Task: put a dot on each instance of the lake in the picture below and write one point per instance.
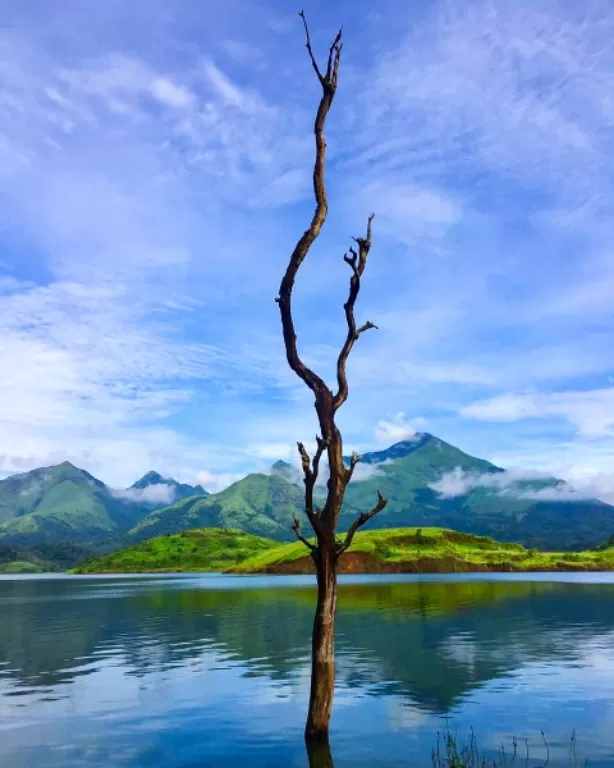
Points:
(207, 670)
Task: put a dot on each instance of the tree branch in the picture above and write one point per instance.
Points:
(322, 444)
(361, 520)
(314, 63)
(310, 475)
(328, 81)
(357, 262)
(355, 458)
(296, 527)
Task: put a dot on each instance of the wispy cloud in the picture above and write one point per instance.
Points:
(398, 428)
(158, 493)
(458, 482)
(591, 412)
(214, 482)
(526, 484)
(600, 486)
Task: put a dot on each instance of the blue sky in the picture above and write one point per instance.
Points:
(155, 165)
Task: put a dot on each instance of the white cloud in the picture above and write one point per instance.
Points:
(215, 482)
(115, 81)
(408, 211)
(458, 482)
(366, 471)
(398, 429)
(273, 450)
(158, 493)
(599, 486)
(454, 483)
(170, 94)
(513, 88)
(230, 92)
(592, 412)
(448, 373)
(514, 482)
(361, 472)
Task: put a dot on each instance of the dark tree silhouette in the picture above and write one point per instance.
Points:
(327, 548)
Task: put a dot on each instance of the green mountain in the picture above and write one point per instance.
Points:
(62, 503)
(262, 505)
(205, 549)
(487, 500)
(63, 507)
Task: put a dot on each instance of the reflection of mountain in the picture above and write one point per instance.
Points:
(431, 642)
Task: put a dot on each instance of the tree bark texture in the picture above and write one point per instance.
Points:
(323, 647)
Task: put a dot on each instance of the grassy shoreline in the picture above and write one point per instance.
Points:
(399, 550)
(430, 550)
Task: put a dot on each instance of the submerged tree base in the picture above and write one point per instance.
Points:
(319, 754)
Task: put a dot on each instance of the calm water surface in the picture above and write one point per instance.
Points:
(208, 670)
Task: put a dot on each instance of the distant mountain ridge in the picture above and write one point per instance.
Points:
(427, 482)
(407, 474)
(63, 504)
(259, 504)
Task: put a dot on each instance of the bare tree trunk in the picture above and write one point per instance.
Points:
(323, 647)
(326, 551)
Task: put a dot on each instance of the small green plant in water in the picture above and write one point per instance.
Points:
(449, 752)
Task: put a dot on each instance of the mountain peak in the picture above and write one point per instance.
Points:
(153, 478)
(399, 450)
(287, 471)
(281, 464)
(67, 470)
(67, 466)
(181, 490)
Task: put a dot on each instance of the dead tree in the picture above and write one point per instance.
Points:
(323, 519)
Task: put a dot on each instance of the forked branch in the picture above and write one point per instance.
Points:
(360, 521)
(328, 81)
(355, 458)
(310, 476)
(311, 469)
(357, 262)
(334, 54)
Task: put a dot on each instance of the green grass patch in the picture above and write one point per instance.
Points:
(207, 549)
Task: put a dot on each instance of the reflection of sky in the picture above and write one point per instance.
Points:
(208, 708)
(556, 697)
(111, 714)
